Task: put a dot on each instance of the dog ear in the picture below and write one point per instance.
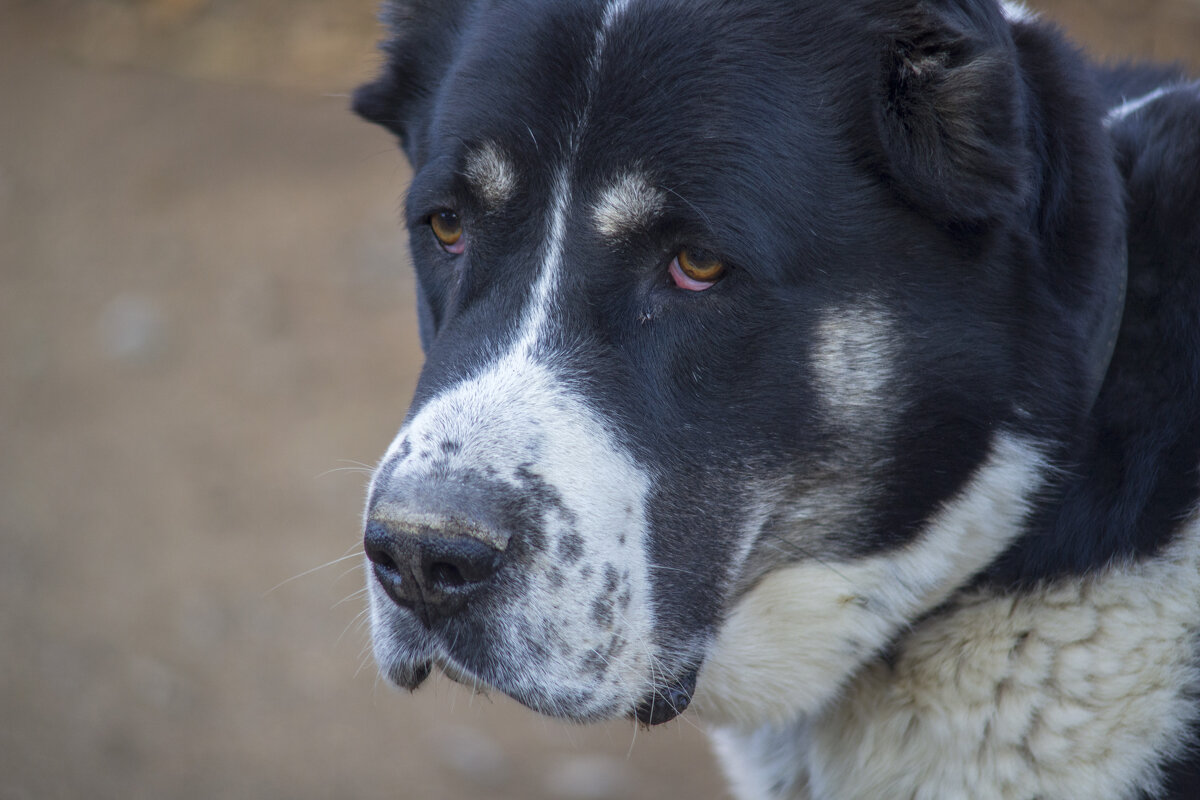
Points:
(949, 112)
(422, 38)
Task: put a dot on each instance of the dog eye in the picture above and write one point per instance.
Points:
(447, 227)
(696, 271)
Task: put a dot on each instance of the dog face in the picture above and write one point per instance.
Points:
(732, 368)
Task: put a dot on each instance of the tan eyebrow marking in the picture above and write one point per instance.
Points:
(631, 201)
(492, 175)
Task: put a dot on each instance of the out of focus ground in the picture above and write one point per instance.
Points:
(205, 327)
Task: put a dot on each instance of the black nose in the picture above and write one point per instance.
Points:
(430, 567)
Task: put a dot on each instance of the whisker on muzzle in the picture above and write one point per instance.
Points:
(357, 554)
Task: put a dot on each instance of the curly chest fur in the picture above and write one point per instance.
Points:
(1075, 690)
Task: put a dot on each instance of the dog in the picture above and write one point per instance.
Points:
(829, 368)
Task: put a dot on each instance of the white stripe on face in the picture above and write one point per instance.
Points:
(537, 318)
(612, 12)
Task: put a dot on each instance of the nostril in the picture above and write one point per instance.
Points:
(445, 575)
(381, 559)
(385, 552)
(457, 563)
(379, 553)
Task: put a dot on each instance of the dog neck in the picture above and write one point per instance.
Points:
(1075, 689)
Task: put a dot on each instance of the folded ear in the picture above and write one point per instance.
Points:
(949, 120)
(423, 36)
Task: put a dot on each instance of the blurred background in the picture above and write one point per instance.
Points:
(206, 333)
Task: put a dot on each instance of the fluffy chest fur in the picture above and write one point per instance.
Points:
(1074, 690)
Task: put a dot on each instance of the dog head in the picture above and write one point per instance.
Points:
(741, 320)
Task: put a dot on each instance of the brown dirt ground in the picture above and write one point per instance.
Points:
(205, 327)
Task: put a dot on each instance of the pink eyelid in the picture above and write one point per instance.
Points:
(683, 281)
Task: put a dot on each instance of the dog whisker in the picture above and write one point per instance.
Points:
(308, 572)
(357, 620)
(352, 596)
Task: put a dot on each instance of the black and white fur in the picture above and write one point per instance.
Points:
(905, 503)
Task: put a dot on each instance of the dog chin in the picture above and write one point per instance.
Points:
(662, 703)
(411, 674)
(408, 674)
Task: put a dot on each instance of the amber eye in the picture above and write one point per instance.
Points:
(447, 227)
(696, 271)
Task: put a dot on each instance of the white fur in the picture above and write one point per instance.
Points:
(612, 12)
(853, 356)
(1133, 106)
(517, 413)
(762, 764)
(629, 203)
(538, 312)
(1130, 106)
(1016, 12)
(492, 175)
(1074, 690)
(792, 641)
(854, 349)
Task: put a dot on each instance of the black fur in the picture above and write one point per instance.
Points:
(1132, 474)
(927, 157)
